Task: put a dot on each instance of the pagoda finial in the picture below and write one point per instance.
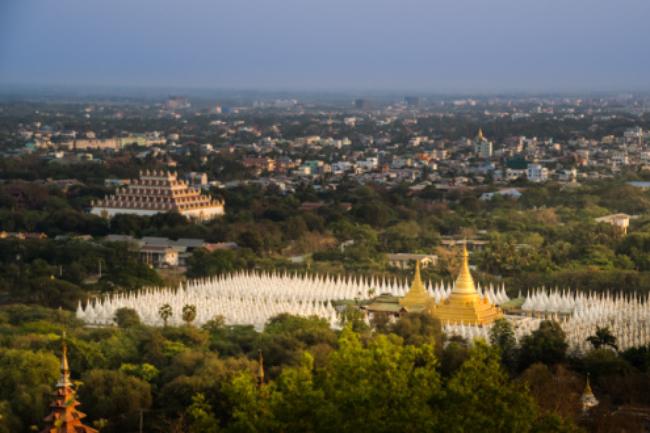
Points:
(465, 282)
(588, 399)
(64, 379)
(417, 296)
(479, 135)
(260, 368)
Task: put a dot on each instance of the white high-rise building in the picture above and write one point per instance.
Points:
(537, 173)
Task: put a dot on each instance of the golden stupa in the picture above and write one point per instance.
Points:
(417, 298)
(465, 305)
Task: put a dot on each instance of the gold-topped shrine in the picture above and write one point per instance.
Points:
(465, 304)
(417, 298)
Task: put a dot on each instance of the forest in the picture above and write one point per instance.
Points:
(402, 376)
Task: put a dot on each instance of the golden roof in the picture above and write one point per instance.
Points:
(465, 305)
(417, 297)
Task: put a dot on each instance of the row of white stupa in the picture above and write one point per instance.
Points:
(247, 298)
(251, 298)
(563, 301)
(627, 317)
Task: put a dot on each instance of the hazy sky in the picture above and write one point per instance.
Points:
(428, 45)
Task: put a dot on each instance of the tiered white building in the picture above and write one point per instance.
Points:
(157, 192)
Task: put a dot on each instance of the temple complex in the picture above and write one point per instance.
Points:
(465, 305)
(157, 192)
(64, 416)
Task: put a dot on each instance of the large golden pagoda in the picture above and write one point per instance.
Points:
(417, 298)
(465, 304)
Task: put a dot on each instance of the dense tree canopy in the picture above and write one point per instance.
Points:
(404, 376)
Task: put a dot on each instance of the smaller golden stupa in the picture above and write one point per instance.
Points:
(465, 305)
(417, 298)
(588, 400)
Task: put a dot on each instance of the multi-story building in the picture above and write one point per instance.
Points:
(536, 173)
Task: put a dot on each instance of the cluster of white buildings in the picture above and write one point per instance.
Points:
(246, 298)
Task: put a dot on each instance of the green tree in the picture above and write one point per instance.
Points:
(554, 424)
(165, 313)
(8, 422)
(204, 264)
(605, 362)
(145, 371)
(547, 344)
(189, 314)
(418, 328)
(115, 396)
(482, 398)
(502, 336)
(199, 416)
(126, 317)
(355, 318)
(26, 381)
(382, 387)
(603, 338)
(453, 355)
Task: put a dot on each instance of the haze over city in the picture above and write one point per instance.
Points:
(441, 46)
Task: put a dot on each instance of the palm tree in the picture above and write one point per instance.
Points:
(189, 314)
(165, 312)
(603, 337)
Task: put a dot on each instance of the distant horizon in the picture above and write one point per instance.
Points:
(135, 90)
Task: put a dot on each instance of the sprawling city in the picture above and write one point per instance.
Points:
(283, 256)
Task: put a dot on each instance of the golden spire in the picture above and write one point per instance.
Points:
(465, 283)
(417, 295)
(480, 136)
(588, 399)
(417, 285)
(64, 379)
(588, 386)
